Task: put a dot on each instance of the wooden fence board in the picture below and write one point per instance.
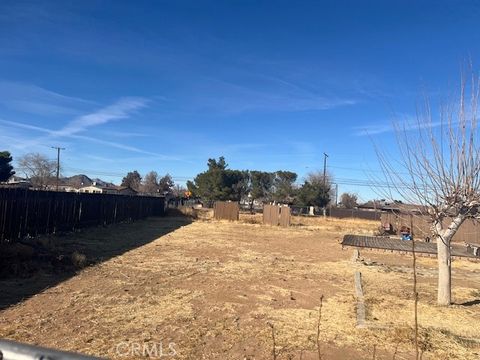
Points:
(226, 210)
(276, 215)
(27, 212)
(285, 216)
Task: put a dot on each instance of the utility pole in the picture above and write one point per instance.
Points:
(325, 156)
(336, 194)
(58, 163)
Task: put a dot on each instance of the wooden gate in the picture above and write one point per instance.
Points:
(226, 210)
(276, 215)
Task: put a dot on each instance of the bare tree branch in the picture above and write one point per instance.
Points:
(438, 168)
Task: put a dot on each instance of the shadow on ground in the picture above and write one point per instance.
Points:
(470, 303)
(49, 260)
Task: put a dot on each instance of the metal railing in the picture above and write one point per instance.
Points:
(11, 350)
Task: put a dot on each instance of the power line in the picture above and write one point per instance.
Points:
(341, 181)
(354, 169)
(363, 170)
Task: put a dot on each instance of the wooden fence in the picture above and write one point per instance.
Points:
(226, 210)
(340, 213)
(354, 214)
(29, 213)
(276, 215)
(469, 231)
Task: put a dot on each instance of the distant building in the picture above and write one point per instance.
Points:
(94, 189)
(125, 190)
(17, 182)
(112, 189)
(66, 188)
(373, 205)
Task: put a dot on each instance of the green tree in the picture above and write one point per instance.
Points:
(166, 184)
(6, 168)
(219, 164)
(192, 188)
(219, 183)
(283, 184)
(315, 191)
(133, 180)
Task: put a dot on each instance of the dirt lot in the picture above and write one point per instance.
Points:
(213, 290)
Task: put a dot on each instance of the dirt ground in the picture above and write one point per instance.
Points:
(223, 290)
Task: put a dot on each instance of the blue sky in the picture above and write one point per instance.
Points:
(164, 85)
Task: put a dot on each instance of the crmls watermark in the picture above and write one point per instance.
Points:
(146, 349)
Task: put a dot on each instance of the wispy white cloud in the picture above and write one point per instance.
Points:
(407, 125)
(53, 134)
(121, 109)
(262, 94)
(124, 147)
(126, 134)
(372, 129)
(26, 126)
(32, 99)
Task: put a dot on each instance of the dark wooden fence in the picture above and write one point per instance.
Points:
(28, 212)
(276, 215)
(226, 210)
(354, 213)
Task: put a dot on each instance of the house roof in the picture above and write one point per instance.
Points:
(405, 208)
(16, 179)
(395, 206)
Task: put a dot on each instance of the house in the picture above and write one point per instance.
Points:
(373, 205)
(125, 190)
(66, 188)
(110, 189)
(92, 189)
(17, 182)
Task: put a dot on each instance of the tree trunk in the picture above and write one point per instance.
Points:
(444, 237)
(444, 272)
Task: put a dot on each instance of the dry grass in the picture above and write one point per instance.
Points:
(211, 287)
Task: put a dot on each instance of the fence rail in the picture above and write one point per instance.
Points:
(28, 212)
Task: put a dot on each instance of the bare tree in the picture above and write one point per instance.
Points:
(150, 183)
(38, 168)
(438, 167)
(133, 180)
(349, 200)
(179, 190)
